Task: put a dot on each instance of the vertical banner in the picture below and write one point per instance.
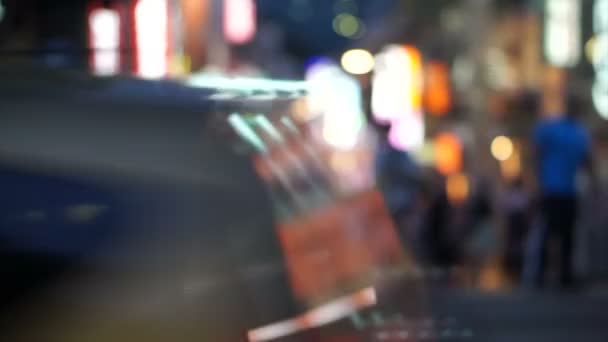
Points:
(562, 32)
(151, 41)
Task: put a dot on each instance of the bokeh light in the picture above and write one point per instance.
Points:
(457, 188)
(152, 38)
(357, 61)
(590, 51)
(346, 25)
(511, 168)
(104, 40)
(397, 95)
(448, 153)
(239, 21)
(343, 117)
(437, 94)
(502, 148)
(336, 97)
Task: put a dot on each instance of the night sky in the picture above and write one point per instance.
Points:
(308, 23)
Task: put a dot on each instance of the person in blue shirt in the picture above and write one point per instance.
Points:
(563, 147)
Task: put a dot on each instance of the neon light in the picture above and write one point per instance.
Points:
(397, 95)
(407, 133)
(151, 38)
(563, 32)
(239, 21)
(104, 40)
(416, 86)
(337, 97)
(448, 153)
(390, 84)
(437, 94)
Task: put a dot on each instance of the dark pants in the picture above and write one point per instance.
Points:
(518, 227)
(559, 214)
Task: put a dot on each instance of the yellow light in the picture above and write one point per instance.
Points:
(590, 50)
(358, 61)
(502, 148)
(346, 25)
(457, 187)
(511, 168)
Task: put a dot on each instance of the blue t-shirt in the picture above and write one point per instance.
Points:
(562, 147)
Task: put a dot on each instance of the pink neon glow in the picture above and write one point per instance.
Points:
(239, 21)
(396, 98)
(151, 38)
(104, 40)
(407, 133)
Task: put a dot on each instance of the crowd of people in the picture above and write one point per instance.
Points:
(513, 222)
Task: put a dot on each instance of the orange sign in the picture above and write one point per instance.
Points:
(335, 246)
(437, 95)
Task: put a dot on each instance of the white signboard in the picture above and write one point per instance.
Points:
(104, 26)
(563, 32)
(599, 55)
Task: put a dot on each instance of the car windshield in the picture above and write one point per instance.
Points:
(303, 170)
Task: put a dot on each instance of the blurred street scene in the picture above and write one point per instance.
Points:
(303, 170)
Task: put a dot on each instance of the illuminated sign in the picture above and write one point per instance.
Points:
(599, 53)
(337, 97)
(151, 38)
(563, 32)
(104, 27)
(437, 92)
(239, 21)
(397, 95)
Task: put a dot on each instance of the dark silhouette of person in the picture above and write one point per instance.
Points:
(563, 147)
